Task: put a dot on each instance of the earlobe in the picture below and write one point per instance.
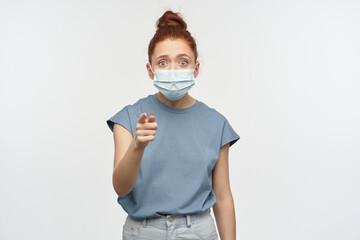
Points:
(150, 73)
(196, 73)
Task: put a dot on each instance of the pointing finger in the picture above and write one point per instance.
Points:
(142, 118)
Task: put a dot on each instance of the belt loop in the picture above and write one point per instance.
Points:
(143, 222)
(188, 224)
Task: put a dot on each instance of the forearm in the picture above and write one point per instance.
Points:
(224, 212)
(126, 171)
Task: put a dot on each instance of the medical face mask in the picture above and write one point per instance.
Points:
(174, 84)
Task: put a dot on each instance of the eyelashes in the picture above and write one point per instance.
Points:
(163, 63)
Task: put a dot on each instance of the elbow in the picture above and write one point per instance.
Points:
(223, 195)
(122, 193)
(120, 190)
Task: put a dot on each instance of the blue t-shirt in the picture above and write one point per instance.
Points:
(175, 174)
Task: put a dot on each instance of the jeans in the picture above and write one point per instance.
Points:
(199, 226)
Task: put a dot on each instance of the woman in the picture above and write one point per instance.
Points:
(172, 167)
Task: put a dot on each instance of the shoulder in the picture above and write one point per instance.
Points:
(137, 106)
(128, 114)
(212, 113)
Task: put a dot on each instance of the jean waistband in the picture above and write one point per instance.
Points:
(177, 218)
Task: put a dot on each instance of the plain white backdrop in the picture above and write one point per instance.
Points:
(285, 74)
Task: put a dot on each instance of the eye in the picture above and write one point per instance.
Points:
(183, 62)
(162, 63)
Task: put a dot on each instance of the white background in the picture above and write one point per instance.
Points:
(284, 73)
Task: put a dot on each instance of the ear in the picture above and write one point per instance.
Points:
(196, 73)
(150, 73)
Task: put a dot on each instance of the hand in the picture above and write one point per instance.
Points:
(145, 130)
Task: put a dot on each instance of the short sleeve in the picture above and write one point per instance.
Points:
(228, 134)
(122, 118)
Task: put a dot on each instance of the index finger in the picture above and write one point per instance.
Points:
(142, 118)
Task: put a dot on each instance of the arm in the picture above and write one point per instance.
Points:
(224, 209)
(127, 160)
(129, 151)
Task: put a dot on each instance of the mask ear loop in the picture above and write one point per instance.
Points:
(151, 68)
(194, 70)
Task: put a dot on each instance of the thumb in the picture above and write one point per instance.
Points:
(151, 118)
(142, 118)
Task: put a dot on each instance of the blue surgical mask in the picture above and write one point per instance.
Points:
(174, 84)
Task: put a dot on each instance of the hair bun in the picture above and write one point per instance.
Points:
(171, 19)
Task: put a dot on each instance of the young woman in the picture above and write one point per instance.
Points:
(172, 167)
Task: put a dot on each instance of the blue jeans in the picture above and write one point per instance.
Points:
(199, 226)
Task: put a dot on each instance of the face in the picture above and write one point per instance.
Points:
(172, 54)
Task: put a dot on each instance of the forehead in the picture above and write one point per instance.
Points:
(172, 48)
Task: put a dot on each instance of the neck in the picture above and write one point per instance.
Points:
(184, 102)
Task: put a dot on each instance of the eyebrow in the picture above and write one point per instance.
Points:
(179, 55)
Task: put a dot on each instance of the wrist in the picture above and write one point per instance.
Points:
(136, 146)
